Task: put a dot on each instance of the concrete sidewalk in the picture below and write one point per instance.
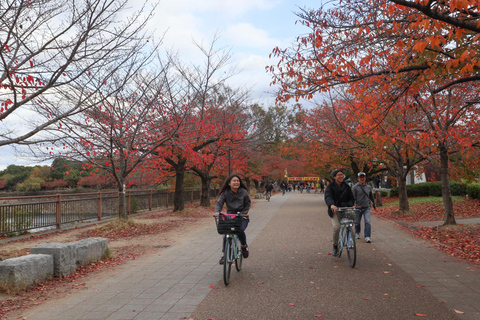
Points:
(178, 282)
(451, 280)
(165, 286)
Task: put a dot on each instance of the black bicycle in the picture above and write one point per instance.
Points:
(230, 227)
(268, 194)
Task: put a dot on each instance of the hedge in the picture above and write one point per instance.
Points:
(434, 189)
(473, 190)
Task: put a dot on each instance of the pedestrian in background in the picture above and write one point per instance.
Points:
(363, 194)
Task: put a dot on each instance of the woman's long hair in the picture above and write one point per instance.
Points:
(226, 185)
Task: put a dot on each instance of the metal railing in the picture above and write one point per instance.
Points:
(19, 214)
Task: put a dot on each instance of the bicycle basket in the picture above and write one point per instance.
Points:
(226, 224)
(346, 214)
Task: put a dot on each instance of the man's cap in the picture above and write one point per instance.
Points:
(361, 174)
(334, 172)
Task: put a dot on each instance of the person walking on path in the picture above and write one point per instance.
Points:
(337, 194)
(235, 195)
(363, 194)
(283, 186)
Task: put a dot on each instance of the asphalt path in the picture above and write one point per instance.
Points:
(290, 274)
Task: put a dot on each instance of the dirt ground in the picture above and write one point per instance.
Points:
(150, 233)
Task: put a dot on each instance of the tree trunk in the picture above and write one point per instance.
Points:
(403, 204)
(446, 194)
(179, 197)
(122, 207)
(205, 196)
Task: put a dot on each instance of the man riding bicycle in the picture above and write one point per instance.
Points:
(337, 194)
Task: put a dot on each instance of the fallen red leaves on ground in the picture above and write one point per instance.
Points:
(460, 241)
(464, 209)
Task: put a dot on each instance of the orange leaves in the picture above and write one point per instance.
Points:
(420, 46)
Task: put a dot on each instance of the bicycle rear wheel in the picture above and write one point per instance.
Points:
(341, 241)
(351, 248)
(227, 258)
(239, 255)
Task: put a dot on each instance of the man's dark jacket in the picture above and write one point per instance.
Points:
(339, 195)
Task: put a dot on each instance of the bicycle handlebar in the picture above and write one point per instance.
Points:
(238, 214)
(345, 208)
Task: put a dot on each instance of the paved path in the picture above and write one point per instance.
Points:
(395, 277)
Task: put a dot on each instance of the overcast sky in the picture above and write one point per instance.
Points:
(249, 28)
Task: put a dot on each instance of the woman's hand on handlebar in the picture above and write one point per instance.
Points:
(334, 208)
(216, 214)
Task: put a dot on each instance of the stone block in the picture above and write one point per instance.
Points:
(24, 271)
(90, 249)
(64, 256)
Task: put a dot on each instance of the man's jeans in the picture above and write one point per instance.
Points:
(358, 218)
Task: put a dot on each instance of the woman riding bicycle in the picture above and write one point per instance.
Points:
(235, 195)
(337, 194)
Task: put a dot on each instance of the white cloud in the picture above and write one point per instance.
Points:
(247, 35)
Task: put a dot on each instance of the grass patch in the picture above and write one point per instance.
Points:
(424, 200)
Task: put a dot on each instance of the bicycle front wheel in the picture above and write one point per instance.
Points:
(227, 261)
(351, 248)
(341, 241)
(238, 255)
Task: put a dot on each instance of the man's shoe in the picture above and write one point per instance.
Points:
(245, 252)
(367, 240)
(222, 261)
(357, 235)
(335, 251)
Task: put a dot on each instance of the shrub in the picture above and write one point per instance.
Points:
(458, 189)
(432, 189)
(435, 189)
(32, 184)
(473, 190)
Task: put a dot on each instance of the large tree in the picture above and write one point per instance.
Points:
(422, 51)
(56, 56)
(209, 102)
(123, 130)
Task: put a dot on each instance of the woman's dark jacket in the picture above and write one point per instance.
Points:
(236, 202)
(339, 195)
